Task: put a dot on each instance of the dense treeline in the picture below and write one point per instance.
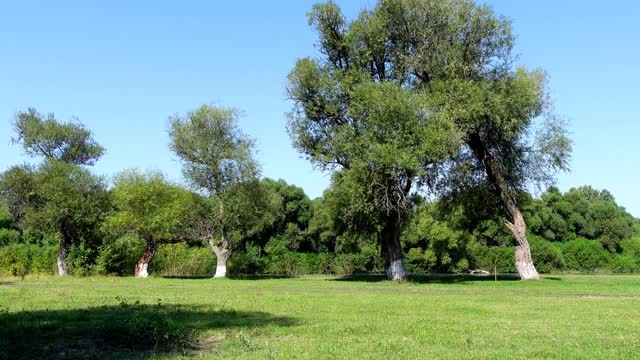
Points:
(580, 230)
(431, 133)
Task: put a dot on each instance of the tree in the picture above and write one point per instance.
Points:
(458, 56)
(293, 217)
(218, 160)
(42, 192)
(149, 207)
(58, 198)
(350, 115)
(67, 142)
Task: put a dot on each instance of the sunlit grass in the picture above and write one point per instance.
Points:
(320, 317)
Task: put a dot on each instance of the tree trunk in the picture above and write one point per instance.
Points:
(142, 268)
(391, 250)
(523, 261)
(222, 256)
(223, 253)
(63, 252)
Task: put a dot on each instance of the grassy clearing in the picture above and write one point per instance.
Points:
(320, 318)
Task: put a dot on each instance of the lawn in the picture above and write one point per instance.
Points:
(563, 316)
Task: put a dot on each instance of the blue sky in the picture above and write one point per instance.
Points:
(122, 67)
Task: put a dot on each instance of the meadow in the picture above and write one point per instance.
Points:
(320, 317)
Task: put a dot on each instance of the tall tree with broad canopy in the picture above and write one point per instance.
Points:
(458, 56)
(57, 198)
(218, 160)
(381, 136)
(151, 208)
(64, 146)
(70, 143)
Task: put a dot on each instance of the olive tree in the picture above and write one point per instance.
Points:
(458, 56)
(382, 137)
(151, 208)
(218, 160)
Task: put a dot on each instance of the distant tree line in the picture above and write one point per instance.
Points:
(430, 132)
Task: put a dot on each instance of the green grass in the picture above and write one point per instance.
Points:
(569, 316)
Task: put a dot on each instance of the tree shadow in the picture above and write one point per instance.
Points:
(127, 330)
(432, 278)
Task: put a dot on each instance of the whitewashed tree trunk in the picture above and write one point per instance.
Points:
(223, 253)
(63, 253)
(142, 268)
(391, 250)
(222, 257)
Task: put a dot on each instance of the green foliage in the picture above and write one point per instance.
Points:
(58, 198)
(70, 143)
(151, 208)
(183, 261)
(22, 259)
(120, 256)
(216, 154)
(585, 255)
(8, 236)
(623, 264)
(347, 264)
(580, 212)
(248, 261)
(547, 256)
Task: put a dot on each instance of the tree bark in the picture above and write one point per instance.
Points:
(63, 253)
(523, 260)
(223, 253)
(142, 268)
(391, 250)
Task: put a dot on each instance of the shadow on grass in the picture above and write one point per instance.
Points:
(119, 331)
(232, 277)
(431, 278)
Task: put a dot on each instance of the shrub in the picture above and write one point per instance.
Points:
(120, 256)
(584, 255)
(9, 236)
(622, 264)
(22, 259)
(247, 262)
(546, 255)
(346, 264)
(486, 257)
(183, 260)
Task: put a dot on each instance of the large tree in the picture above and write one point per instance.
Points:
(218, 160)
(381, 136)
(56, 198)
(59, 195)
(154, 210)
(71, 143)
(458, 56)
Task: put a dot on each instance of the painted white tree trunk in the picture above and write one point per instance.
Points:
(397, 271)
(62, 258)
(142, 267)
(222, 257)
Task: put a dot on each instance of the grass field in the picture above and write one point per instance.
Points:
(569, 316)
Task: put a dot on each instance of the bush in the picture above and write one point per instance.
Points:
(486, 257)
(247, 262)
(9, 236)
(346, 264)
(622, 264)
(120, 256)
(547, 256)
(183, 260)
(23, 259)
(584, 255)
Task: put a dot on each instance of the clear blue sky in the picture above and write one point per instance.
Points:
(122, 67)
